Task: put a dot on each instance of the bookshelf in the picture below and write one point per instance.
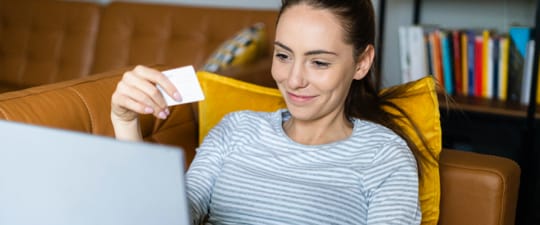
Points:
(527, 116)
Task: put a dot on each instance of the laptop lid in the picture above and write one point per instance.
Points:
(58, 177)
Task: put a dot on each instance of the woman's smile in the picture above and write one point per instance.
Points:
(300, 99)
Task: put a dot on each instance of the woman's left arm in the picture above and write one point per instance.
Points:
(393, 196)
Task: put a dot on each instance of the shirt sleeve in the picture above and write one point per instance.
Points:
(205, 168)
(393, 195)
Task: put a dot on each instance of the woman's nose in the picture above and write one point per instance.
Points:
(296, 78)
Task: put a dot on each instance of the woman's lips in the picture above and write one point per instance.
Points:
(300, 99)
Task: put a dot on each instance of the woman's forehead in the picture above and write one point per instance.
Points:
(302, 24)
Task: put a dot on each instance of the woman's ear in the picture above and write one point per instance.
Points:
(364, 62)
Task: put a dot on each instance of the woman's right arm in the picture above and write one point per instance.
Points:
(135, 94)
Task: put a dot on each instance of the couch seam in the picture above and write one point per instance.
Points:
(505, 191)
(4, 113)
(86, 106)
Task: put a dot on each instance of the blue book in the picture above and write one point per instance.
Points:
(470, 60)
(447, 64)
(519, 39)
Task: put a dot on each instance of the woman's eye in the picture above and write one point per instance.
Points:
(281, 56)
(321, 64)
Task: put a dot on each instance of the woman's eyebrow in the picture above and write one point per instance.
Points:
(312, 52)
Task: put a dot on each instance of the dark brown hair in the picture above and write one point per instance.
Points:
(365, 100)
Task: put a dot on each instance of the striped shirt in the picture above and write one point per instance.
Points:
(248, 171)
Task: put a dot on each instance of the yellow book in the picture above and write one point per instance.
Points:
(503, 68)
(464, 65)
(485, 65)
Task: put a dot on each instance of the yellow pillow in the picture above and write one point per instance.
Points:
(243, 48)
(224, 95)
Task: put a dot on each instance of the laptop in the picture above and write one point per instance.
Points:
(57, 177)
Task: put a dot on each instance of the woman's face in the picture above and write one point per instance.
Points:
(312, 65)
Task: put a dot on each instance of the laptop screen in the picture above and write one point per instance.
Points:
(51, 176)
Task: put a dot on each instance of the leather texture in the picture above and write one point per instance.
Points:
(46, 41)
(43, 41)
(133, 34)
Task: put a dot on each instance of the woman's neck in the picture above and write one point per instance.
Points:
(328, 129)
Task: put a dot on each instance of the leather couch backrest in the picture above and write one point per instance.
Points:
(135, 33)
(84, 105)
(46, 41)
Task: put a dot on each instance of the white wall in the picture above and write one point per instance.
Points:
(256, 4)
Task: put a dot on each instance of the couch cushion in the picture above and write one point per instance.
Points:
(44, 41)
(224, 95)
(135, 33)
(240, 50)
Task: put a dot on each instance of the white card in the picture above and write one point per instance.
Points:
(186, 82)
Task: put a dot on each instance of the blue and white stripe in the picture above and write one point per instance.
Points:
(248, 171)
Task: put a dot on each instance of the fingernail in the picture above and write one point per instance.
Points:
(177, 96)
(167, 111)
(148, 110)
(162, 115)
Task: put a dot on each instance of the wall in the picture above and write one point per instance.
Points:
(256, 4)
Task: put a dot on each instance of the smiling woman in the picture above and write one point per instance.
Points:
(333, 156)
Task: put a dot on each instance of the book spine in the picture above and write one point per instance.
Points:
(464, 65)
(446, 63)
(503, 68)
(470, 63)
(485, 64)
(495, 54)
(437, 68)
(478, 66)
(404, 54)
(456, 47)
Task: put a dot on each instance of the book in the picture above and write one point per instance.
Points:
(456, 53)
(417, 53)
(447, 66)
(495, 54)
(527, 74)
(436, 57)
(519, 38)
(504, 43)
(404, 54)
(471, 36)
(464, 65)
(478, 66)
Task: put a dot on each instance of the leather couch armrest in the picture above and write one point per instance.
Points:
(477, 188)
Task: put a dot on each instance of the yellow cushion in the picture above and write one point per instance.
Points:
(224, 95)
(243, 48)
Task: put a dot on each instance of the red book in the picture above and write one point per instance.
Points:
(458, 71)
(478, 66)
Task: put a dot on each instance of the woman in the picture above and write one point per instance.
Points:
(332, 157)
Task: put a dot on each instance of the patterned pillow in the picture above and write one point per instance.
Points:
(244, 48)
(224, 95)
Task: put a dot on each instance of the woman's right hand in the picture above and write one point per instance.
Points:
(137, 93)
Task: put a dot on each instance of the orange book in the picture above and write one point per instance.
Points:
(436, 58)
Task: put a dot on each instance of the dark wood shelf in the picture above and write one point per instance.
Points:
(482, 105)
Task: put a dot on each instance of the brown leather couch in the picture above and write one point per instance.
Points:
(475, 188)
(46, 41)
